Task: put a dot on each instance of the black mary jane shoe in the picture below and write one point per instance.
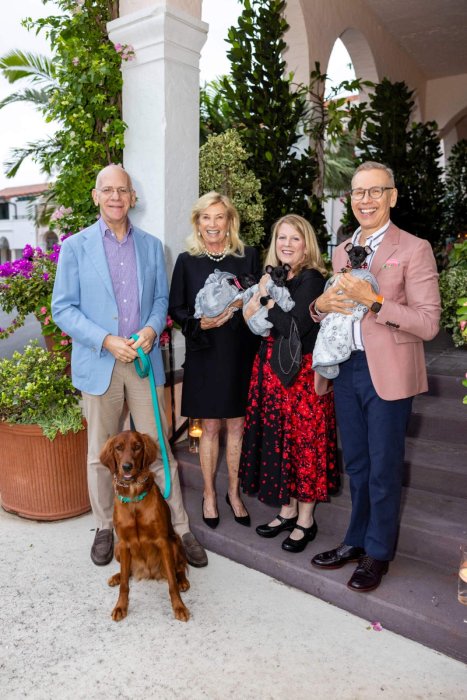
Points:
(309, 534)
(210, 522)
(273, 530)
(241, 519)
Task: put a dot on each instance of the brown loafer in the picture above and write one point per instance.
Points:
(195, 553)
(102, 550)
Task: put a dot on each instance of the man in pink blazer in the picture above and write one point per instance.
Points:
(375, 386)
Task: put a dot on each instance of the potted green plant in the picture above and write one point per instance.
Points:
(43, 437)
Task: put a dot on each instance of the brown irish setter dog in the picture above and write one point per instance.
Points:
(148, 546)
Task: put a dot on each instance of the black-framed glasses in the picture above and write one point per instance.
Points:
(373, 192)
(108, 191)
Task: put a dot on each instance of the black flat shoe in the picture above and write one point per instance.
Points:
(241, 519)
(210, 522)
(273, 530)
(309, 534)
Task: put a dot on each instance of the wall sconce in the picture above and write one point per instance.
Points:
(195, 431)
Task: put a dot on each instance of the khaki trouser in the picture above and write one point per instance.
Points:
(104, 416)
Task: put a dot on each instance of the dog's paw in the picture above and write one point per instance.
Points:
(181, 613)
(114, 580)
(119, 613)
(183, 585)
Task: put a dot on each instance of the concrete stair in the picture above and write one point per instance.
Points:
(418, 598)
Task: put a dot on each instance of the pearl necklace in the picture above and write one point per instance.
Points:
(217, 257)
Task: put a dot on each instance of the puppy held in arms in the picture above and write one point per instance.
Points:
(147, 544)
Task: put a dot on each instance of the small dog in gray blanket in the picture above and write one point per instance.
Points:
(334, 342)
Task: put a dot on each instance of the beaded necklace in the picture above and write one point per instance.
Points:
(217, 257)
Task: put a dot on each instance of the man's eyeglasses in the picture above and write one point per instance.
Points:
(373, 192)
(108, 191)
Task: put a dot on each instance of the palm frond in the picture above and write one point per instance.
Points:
(39, 151)
(39, 98)
(18, 65)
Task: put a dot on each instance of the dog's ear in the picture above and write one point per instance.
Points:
(150, 450)
(348, 246)
(287, 267)
(268, 269)
(367, 249)
(107, 457)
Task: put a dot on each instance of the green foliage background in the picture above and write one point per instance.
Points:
(261, 101)
(412, 150)
(222, 169)
(83, 95)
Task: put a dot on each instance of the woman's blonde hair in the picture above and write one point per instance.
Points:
(194, 242)
(313, 258)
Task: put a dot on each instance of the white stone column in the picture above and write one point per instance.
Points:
(161, 109)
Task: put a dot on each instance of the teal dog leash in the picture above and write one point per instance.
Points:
(143, 367)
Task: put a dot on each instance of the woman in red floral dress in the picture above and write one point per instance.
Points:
(289, 444)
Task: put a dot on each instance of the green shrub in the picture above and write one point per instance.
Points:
(453, 289)
(222, 169)
(35, 389)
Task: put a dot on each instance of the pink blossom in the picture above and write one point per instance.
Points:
(46, 320)
(63, 334)
(377, 626)
(64, 342)
(463, 324)
(164, 338)
(75, 60)
(60, 213)
(43, 310)
(118, 47)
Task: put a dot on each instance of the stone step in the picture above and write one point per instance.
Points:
(450, 387)
(432, 525)
(436, 466)
(438, 418)
(416, 599)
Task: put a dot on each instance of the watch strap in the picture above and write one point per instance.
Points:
(376, 305)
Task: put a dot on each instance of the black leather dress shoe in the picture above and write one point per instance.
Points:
(309, 534)
(368, 574)
(210, 522)
(242, 519)
(335, 558)
(273, 530)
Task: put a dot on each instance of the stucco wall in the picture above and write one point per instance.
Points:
(446, 100)
(374, 56)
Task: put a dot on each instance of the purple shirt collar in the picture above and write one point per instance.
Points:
(104, 228)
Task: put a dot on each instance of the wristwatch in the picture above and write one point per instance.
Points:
(264, 300)
(376, 305)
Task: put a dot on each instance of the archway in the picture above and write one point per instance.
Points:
(361, 56)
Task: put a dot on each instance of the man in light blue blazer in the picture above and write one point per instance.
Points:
(111, 282)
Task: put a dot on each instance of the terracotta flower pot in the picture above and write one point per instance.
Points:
(42, 479)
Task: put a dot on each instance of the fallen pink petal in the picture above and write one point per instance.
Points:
(377, 626)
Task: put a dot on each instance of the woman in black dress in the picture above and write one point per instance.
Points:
(289, 445)
(220, 350)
